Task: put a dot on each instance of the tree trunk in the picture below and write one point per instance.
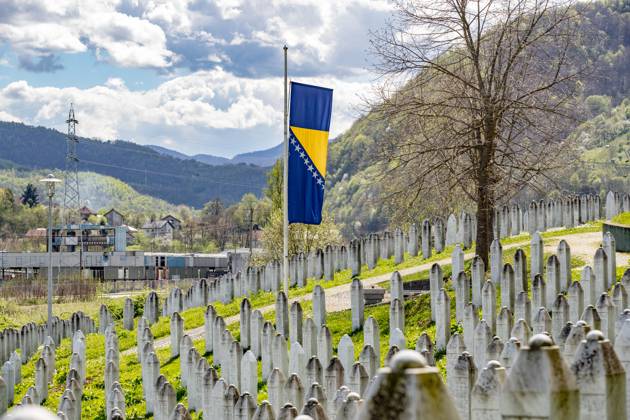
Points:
(485, 216)
(485, 203)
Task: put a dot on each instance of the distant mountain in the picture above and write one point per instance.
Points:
(262, 158)
(265, 157)
(148, 171)
(211, 160)
(168, 152)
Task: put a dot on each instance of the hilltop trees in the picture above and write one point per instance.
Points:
(478, 95)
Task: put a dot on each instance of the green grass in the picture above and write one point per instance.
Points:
(622, 218)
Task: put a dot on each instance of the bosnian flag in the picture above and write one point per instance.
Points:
(309, 123)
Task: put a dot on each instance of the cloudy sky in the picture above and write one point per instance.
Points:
(198, 76)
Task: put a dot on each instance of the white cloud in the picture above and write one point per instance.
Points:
(129, 41)
(35, 29)
(41, 38)
(205, 102)
(229, 9)
(172, 15)
(147, 33)
(200, 107)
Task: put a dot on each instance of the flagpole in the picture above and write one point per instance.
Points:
(285, 178)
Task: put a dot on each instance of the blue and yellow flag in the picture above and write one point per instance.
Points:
(309, 123)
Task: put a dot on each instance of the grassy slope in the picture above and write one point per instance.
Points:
(99, 191)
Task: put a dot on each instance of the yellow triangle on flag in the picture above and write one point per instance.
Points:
(315, 143)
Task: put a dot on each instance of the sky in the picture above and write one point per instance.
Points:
(197, 76)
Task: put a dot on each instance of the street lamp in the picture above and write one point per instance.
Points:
(50, 182)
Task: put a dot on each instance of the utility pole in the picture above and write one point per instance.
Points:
(71, 198)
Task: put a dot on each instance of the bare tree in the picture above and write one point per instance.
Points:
(479, 95)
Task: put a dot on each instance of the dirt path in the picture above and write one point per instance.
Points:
(338, 298)
(583, 245)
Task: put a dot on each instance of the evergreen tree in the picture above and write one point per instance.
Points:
(30, 197)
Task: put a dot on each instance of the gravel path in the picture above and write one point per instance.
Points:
(338, 298)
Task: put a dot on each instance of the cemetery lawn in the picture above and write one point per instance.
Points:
(417, 320)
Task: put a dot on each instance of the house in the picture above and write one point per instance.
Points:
(37, 233)
(37, 237)
(160, 229)
(115, 218)
(174, 221)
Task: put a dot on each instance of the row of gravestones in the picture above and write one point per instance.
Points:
(598, 302)
(616, 203)
(294, 375)
(556, 270)
(28, 339)
(318, 264)
(568, 211)
(70, 402)
(598, 287)
(584, 364)
(30, 336)
(276, 380)
(291, 389)
(511, 220)
(324, 263)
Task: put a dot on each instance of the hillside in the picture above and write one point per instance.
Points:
(149, 172)
(98, 192)
(263, 158)
(356, 196)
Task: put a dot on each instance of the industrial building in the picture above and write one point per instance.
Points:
(89, 237)
(117, 265)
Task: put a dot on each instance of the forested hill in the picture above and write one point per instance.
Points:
(356, 196)
(149, 172)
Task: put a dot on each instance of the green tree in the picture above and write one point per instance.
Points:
(302, 238)
(250, 206)
(274, 185)
(598, 104)
(480, 93)
(30, 197)
(213, 210)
